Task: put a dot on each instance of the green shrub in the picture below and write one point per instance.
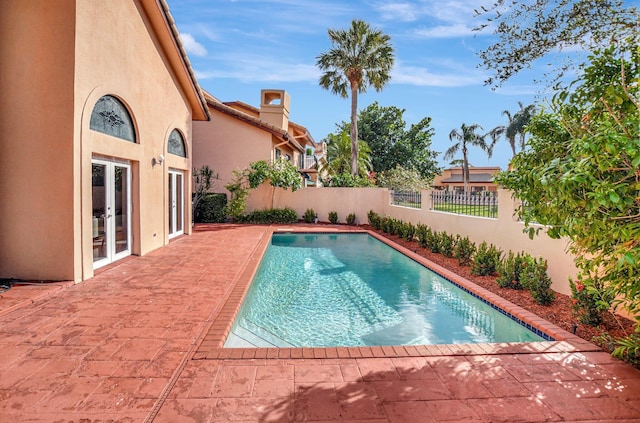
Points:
(351, 219)
(309, 216)
(628, 348)
(534, 278)
(510, 268)
(333, 217)
(485, 260)
(373, 218)
(422, 232)
(391, 225)
(584, 300)
(285, 215)
(464, 250)
(211, 208)
(433, 241)
(407, 231)
(447, 244)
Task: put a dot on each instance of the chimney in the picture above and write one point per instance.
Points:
(274, 108)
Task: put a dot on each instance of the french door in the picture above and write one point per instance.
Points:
(176, 203)
(111, 204)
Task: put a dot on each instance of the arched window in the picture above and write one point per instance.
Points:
(111, 117)
(176, 144)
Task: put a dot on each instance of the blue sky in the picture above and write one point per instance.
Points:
(238, 47)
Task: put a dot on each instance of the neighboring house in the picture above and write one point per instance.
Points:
(480, 179)
(97, 106)
(239, 134)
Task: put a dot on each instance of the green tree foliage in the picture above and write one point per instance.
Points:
(384, 129)
(529, 30)
(359, 57)
(336, 169)
(280, 174)
(467, 136)
(401, 179)
(204, 180)
(580, 173)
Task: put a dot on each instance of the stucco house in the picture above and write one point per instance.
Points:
(239, 134)
(480, 179)
(95, 153)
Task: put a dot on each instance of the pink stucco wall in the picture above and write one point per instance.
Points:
(58, 58)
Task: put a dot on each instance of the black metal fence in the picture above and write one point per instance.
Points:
(411, 199)
(482, 203)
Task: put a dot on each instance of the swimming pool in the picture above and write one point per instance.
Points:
(350, 289)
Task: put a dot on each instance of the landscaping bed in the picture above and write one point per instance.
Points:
(559, 312)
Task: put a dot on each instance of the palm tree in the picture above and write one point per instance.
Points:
(467, 137)
(516, 126)
(360, 57)
(508, 130)
(522, 119)
(339, 154)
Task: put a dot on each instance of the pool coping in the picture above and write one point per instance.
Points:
(212, 344)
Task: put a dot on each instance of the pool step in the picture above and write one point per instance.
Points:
(247, 334)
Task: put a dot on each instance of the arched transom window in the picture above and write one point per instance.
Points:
(176, 144)
(111, 117)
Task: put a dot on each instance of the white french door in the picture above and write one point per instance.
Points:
(111, 204)
(176, 203)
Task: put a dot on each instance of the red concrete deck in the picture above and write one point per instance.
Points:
(127, 346)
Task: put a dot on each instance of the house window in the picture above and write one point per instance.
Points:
(278, 153)
(176, 144)
(111, 117)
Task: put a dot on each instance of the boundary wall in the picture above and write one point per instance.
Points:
(505, 232)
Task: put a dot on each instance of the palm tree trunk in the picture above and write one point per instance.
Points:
(465, 169)
(354, 128)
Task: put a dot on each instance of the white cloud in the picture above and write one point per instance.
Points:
(422, 77)
(401, 11)
(444, 31)
(192, 46)
(260, 69)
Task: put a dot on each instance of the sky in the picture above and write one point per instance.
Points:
(239, 47)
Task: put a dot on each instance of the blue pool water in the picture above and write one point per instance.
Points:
(322, 290)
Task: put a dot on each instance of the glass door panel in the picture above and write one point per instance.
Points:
(121, 184)
(99, 213)
(111, 201)
(179, 204)
(176, 203)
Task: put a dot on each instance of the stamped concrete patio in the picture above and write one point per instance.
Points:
(139, 342)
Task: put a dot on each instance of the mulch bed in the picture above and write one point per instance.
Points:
(559, 312)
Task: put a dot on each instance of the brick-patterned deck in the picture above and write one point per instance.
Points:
(127, 346)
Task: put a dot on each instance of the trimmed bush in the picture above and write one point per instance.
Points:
(373, 218)
(422, 232)
(463, 251)
(309, 216)
(211, 209)
(285, 215)
(433, 241)
(351, 219)
(485, 260)
(534, 278)
(333, 218)
(407, 231)
(510, 268)
(447, 244)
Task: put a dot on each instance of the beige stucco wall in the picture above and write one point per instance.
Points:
(117, 55)
(505, 232)
(58, 58)
(226, 143)
(36, 145)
